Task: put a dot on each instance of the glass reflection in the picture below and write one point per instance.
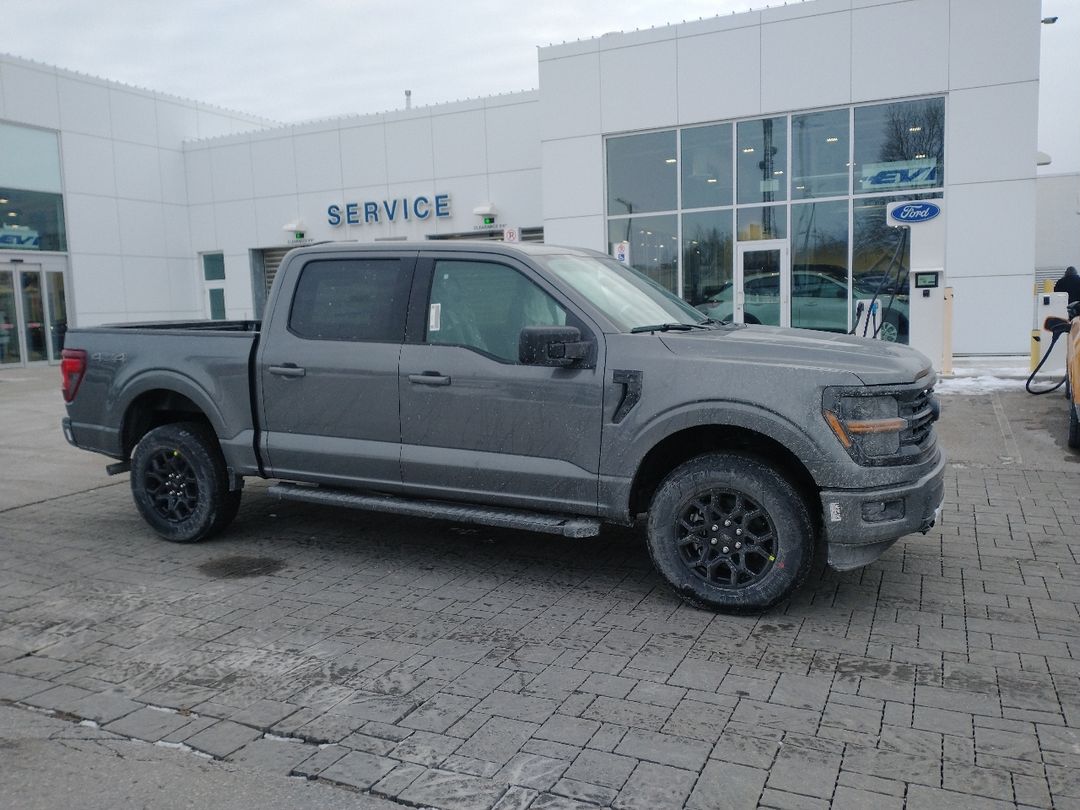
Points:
(819, 154)
(706, 166)
(653, 246)
(819, 276)
(761, 159)
(641, 173)
(31, 220)
(762, 222)
(899, 146)
(9, 337)
(707, 250)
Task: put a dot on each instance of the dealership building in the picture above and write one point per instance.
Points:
(746, 161)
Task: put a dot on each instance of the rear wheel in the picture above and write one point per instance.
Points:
(729, 532)
(180, 484)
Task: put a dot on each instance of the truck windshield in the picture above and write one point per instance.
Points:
(628, 298)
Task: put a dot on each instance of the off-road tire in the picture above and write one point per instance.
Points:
(180, 484)
(746, 500)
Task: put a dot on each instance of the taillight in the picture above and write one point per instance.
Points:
(72, 367)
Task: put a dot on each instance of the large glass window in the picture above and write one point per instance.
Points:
(762, 222)
(819, 154)
(653, 246)
(31, 220)
(708, 247)
(38, 164)
(9, 335)
(761, 155)
(899, 146)
(820, 181)
(819, 274)
(484, 306)
(351, 299)
(641, 173)
(706, 166)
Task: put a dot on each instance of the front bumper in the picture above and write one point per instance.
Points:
(861, 524)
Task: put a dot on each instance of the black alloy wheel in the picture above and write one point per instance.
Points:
(180, 483)
(170, 483)
(730, 532)
(726, 538)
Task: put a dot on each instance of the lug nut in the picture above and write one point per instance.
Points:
(714, 528)
(726, 549)
(738, 545)
(727, 522)
(738, 532)
(713, 541)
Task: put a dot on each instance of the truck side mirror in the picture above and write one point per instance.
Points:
(559, 346)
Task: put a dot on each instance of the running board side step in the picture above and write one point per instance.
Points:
(565, 525)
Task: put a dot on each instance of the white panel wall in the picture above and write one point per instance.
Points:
(125, 186)
(883, 64)
(993, 42)
(638, 84)
(806, 62)
(984, 144)
(569, 92)
(712, 55)
(1058, 236)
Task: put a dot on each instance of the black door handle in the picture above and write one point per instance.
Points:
(287, 370)
(429, 378)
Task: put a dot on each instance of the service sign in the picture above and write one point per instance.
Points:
(911, 213)
(399, 209)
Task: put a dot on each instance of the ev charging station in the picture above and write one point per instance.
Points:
(1048, 304)
(929, 302)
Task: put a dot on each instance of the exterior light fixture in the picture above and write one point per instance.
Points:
(670, 160)
(778, 172)
(914, 129)
(3, 200)
(920, 156)
(12, 214)
(833, 139)
(748, 150)
(712, 180)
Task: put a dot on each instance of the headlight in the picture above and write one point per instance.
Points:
(871, 425)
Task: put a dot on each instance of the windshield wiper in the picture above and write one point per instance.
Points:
(667, 327)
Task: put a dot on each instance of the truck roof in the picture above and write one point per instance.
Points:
(452, 245)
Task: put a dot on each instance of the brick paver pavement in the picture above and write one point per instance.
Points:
(459, 667)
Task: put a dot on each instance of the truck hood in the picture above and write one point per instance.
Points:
(874, 362)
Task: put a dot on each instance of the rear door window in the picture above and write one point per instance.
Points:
(351, 299)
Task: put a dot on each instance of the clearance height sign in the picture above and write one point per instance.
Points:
(372, 212)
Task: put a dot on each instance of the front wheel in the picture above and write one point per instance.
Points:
(180, 484)
(729, 532)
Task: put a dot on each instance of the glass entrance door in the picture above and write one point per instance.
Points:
(33, 314)
(10, 342)
(763, 283)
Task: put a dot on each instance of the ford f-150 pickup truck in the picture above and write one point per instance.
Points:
(542, 388)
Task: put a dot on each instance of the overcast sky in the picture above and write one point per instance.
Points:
(305, 59)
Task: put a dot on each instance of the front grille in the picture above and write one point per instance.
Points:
(920, 409)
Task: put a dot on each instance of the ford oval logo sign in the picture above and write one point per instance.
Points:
(915, 212)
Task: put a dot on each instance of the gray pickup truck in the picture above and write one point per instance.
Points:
(535, 387)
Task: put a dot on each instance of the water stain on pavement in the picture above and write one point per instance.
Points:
(238, 566)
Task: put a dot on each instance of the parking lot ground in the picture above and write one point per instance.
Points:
(457, 667)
